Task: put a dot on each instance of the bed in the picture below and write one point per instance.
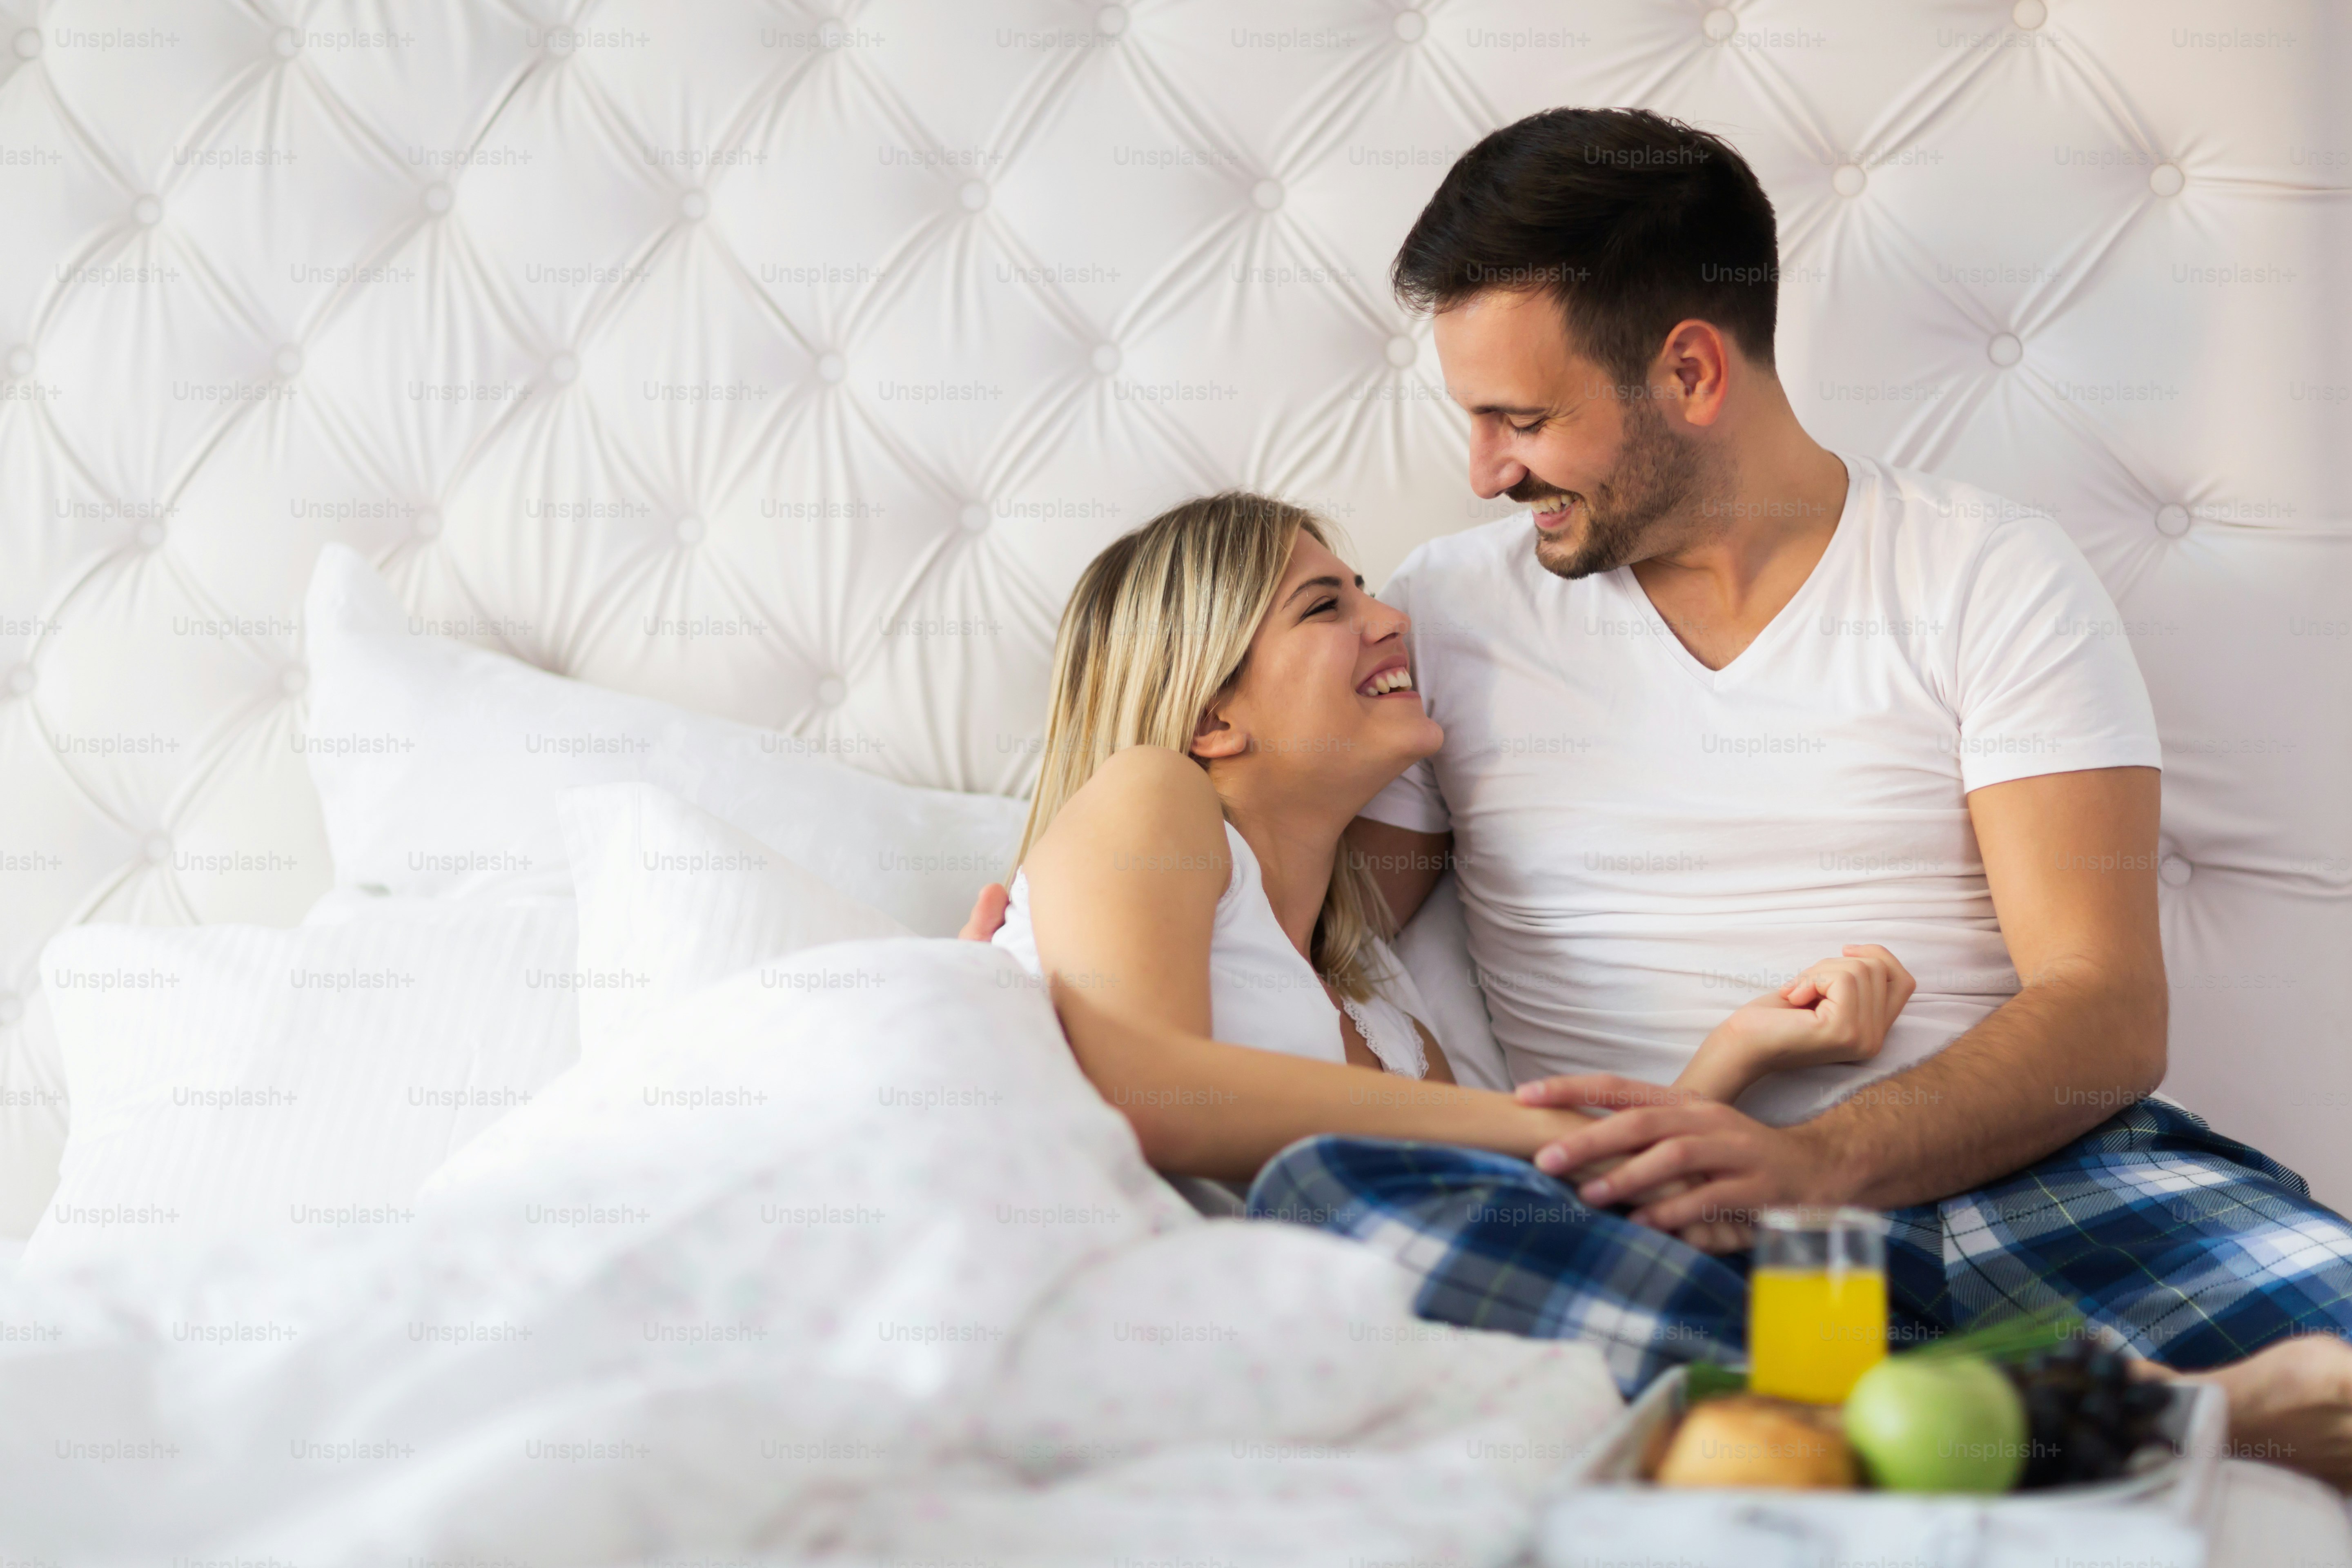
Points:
(781, 366)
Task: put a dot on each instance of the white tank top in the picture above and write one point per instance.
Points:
(1262, 991)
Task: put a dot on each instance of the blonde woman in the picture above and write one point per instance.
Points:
(1226, 697)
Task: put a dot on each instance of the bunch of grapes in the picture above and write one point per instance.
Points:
(2087, 1413)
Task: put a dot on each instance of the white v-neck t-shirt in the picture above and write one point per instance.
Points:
(1644, 844)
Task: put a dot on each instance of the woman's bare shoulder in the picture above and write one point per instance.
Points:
(1144, 801)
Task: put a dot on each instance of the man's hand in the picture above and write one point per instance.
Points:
(987, 913)
(1726, 1166)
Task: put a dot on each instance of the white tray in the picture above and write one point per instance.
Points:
(2162, 1513)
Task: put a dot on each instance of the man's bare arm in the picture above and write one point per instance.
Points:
(1405, 864)
(2071, 861)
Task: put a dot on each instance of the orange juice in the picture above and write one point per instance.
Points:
(1812, 1333)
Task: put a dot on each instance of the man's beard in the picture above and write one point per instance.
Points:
(1655, 475)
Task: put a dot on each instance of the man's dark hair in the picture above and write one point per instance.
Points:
(1630, 220)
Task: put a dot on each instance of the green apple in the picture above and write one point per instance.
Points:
(1925, 1424)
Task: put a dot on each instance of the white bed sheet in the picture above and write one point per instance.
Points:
(841, 1256)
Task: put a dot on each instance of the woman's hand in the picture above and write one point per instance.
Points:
(1837, 1011)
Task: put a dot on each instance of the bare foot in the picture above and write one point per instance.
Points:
(2291, 1405)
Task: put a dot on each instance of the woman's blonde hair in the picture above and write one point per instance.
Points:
(1156, 633)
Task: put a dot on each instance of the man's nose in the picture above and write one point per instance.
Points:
(1492, 470)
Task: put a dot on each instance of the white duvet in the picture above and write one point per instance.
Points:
(842, 1258)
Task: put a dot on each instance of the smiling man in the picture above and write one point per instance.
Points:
(1724, 700)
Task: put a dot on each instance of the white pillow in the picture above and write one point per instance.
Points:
(342, 906)
(251, 1079)
(32, 1115)
(673, 900)
(438, 767)
(32, 1073)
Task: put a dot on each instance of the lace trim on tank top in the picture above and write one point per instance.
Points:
(1398, 1050)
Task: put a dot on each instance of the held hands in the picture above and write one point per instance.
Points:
(1693, 1167)
(1680, 1155)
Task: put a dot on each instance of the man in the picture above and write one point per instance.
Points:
(1734, 700)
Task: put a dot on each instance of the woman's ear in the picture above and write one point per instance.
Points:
(1216, 736)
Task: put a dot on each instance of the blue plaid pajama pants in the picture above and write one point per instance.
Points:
(2194, 1248)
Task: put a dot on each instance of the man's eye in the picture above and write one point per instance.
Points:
(1526, 429)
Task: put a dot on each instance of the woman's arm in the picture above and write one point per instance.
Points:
(1203, 1108)
(1837, 1011)
(1124, 890)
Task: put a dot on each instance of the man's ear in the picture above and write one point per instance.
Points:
(1216, 736)
(1697, 361)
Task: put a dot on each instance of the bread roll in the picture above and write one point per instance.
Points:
(1747, 1440)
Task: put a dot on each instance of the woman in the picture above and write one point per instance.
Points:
(1226, 698)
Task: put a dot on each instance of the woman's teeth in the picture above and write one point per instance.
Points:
(1388, 681)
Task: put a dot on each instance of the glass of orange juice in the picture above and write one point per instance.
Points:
(1816, 1301)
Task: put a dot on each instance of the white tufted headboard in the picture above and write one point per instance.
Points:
(790, 364)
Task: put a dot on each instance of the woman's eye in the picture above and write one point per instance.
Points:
(1323, 604)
